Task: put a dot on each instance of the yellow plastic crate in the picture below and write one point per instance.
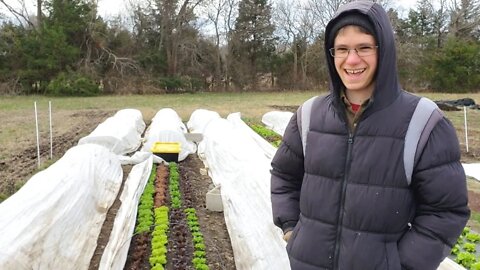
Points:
(167, 150)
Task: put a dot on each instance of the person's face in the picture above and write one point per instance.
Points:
(357, 73)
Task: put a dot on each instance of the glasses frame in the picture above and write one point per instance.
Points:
(332, 51)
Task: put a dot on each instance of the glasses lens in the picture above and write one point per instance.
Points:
(361, 51)
(365, 50)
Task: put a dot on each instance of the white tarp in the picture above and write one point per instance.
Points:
(241, 168)
(120, 133)
(54, 220)
(268, 149)
(115, 253)
(199, 119)
(472, 170)
(167, 126)
(277, 121)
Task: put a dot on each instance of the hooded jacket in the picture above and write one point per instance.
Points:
(347, 197)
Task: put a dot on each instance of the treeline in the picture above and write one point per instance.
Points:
(158, 46)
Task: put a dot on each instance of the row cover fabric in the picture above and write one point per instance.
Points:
(240, 167)
(167, 126)
(472, 170)
(277, 121)
(54, 220)
(115, 253)
(121, 133)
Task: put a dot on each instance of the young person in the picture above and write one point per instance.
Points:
(346, 203)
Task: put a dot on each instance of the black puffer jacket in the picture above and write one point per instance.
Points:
(348, 198)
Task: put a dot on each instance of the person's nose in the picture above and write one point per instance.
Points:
(353, 57)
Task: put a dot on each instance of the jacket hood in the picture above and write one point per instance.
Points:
(387, 86)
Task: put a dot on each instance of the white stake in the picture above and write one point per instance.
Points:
(51, 136)
(38, 136)
(466, 126)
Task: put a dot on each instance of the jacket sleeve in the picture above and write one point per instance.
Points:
(286, 178)
(439, 186)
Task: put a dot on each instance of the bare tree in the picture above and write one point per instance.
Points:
(287, 22)
(39, 12)
(174, 18)
(20, 14)
(440, 21)
(464, 17)
(324, 10)
(217, 10)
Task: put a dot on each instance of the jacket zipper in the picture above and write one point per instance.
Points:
(342, 200)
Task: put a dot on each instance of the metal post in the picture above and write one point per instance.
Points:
(466, 126)
(51, 136)
(38, 136)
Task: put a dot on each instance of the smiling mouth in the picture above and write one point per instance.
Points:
(355, 71)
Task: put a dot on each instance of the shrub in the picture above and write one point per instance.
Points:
(72, 84)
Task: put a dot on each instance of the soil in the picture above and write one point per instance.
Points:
(18, 166)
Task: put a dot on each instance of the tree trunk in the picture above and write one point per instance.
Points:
(39, 13)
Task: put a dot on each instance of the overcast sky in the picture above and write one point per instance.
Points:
(114, 7)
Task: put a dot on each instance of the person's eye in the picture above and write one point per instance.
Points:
(341, 50)
(365, 48)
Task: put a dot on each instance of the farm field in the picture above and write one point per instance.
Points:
(74, 118)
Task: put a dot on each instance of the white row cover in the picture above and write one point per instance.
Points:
(277, 121)
(240, 166)
(120, 133)
(167, 126)
(472, 170)
(54, 220)
(115, 253)
(200, 119)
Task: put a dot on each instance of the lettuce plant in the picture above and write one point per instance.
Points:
(174, 186)
(145, 214)
(199, 259)
(158, 257)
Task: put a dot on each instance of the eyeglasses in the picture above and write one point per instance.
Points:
(342, 52)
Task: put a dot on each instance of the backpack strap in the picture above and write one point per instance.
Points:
(424, 118)
(303, 120)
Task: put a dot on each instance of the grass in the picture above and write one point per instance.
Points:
(18, 121)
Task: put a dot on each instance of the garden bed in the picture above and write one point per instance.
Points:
(192, 189)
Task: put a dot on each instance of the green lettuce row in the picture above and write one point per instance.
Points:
(158, 257)
(145, 206)
(199, 256)
(174, 186)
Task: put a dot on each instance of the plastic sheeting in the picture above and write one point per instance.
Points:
(277, 121)
(54, 220)
(167, 126)
(241, 168)
(120, 133)
(115, 253)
